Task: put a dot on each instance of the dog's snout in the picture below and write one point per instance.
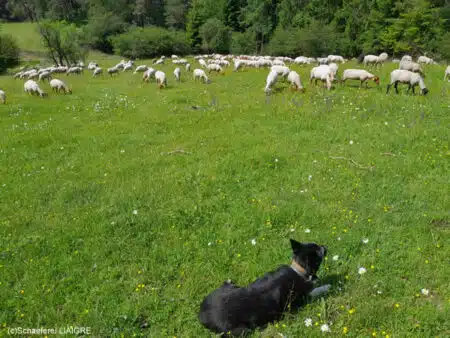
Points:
(324, 250)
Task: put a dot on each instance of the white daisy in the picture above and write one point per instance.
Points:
(425, 292)
(309, 177)
(325, 328)
(135, 212)
(351, 142)
(253, 241)
(209, 243)
(307, 231)
(292, 229)
(362, 270)
(308, 322)
(335, 257)
(365, 240)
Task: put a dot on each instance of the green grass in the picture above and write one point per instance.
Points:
(26, 35)
(74, 168)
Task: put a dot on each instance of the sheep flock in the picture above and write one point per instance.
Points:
(326, 70)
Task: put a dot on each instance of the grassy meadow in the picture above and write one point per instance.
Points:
(123, 205)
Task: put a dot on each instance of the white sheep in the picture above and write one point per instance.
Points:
(202, 63)
(215, 68)
(161, 79)
(2, 97)
(92, 65)
(31, 87)
(383, 57)
(140, 69)
(148, 74)
(281, 70)
(411, 66)
(74, 70)
(33, 75)
(334, 68)
(426, 60)
(188, 67)
(323, 73)
(335, 58)
(199, 74)
(114, 70)
(359, 74)
(406, 58)
(58, 86)
(410, 78)
(295, 81)
(45, 75)
(270, 81)
(177, 73)
(447, 73)
(371, 60)
(159, 62)
(127, 66)
(97, 71)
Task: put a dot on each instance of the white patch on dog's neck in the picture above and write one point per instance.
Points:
(294, 266)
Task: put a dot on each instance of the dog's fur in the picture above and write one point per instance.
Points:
(238, 310)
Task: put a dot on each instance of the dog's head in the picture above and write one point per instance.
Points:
(308, 255)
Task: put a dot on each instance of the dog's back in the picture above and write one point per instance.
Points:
(238, 309)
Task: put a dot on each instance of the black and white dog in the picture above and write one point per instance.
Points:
(239, 310)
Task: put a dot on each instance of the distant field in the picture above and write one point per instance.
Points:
(26, 35)
(105, 225)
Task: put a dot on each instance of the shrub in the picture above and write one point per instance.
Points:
(150, 42)
(9, 53)
(243, 43)
(216, 37)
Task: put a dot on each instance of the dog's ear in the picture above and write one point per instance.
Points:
(296, 246)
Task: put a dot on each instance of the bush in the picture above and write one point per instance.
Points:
(9, 53)
(150, 42)
(315, 40)
(243, 43)
(216, 37)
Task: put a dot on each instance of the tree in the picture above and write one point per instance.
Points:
(149, 12)
(176, 13)
(9, 52)
(233, 14)
(64, 42)
(194, 21)
(216, 37)
(258, 16)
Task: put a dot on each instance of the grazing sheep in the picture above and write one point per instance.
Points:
(281, 70)
(159, 62)
(323, 61)
(334, 68)
(33, 75)
(425, 60)
(335, 58)
(128, 66)
(411, 66)
(371, 60)
(31, 87)
(405, 76)
(359, 74)
(295, 81)
(97, 71)
(2, 97)
(188, 67)
(74, 70)
(383, 57)
(140, 69)
(199, 74)
(447, 73)
(323, 73)
(202, 63)
(215, 68)
(92, 65)
(45, 75)
(161, 79)
(177, 73)
(148, 74)
(406, 58)
(270, 81)
(113, 70)
(58, 85)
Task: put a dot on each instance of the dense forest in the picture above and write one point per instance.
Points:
(146, 28)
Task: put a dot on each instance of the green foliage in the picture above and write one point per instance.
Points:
(243, 43)
(175, 12)
(216, 36)
(64, 42)
(9, 52)
(149, 42)
(316, 39)
(101, 26)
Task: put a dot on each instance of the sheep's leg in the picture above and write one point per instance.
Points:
(413, 89)
(409, 88)
(396, 86)
(388, 88)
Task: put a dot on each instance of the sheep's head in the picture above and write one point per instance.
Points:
(69, 90)
(425, 91)
(376, 79)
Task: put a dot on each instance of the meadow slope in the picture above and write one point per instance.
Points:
(105, 225)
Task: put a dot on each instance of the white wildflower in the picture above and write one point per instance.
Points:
(292, 229)
(308, 322)
(309, 177)
(365, 240)
(325, 328)
(135, 212)
(425, 292)
(335, 257)
(351, 142)
(307, 231)
(209, 243)
(362, 270)
(253, 241)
